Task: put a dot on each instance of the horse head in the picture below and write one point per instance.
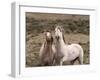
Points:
(59, 32)
(48, 36)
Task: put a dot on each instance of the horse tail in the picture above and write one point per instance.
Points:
(81, 55)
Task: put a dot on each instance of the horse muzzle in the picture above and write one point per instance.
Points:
(57, 37)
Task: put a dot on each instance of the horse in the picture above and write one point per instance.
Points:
(64, 52)
(47, 50)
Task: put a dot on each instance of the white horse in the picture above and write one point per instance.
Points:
(66, 52)
(47, 50)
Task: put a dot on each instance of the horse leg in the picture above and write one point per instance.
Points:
(62, 60)
(73, 61)
(80, 59)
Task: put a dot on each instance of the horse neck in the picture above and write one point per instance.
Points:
(62, 41)
(48, 46)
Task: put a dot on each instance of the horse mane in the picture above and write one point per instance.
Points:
(64, 39)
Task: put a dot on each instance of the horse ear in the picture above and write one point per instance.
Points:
(61, 28)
